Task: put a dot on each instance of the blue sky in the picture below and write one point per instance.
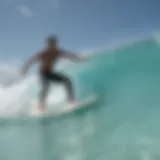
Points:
(80, 24)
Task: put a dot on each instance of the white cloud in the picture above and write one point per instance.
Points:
(25, 11)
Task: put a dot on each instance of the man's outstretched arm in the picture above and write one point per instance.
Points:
(72, 56)
(30, 62)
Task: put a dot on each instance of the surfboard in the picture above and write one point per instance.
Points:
(66, 108)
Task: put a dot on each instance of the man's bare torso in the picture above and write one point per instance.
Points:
(48, 59)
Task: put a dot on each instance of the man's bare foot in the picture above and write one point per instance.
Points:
(41, 109)
(73, 103)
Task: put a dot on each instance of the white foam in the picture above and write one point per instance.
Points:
(15, 95)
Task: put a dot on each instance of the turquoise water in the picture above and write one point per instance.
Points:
(122, 125)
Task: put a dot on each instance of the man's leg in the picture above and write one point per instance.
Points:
(69, 87)
(43, 95)
(68, 84)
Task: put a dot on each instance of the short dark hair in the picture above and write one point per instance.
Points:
(52, 38)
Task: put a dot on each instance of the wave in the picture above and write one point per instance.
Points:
(123, 125)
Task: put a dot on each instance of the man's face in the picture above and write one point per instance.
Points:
(52, 43)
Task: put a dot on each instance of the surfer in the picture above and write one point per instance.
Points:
(47, 58)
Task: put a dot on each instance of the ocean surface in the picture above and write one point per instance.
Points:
(123, 124)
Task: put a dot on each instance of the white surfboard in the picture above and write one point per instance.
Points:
(67, 107)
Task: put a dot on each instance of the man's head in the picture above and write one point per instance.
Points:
(52, 41)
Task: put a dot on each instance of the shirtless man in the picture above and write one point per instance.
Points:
(47, 58)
